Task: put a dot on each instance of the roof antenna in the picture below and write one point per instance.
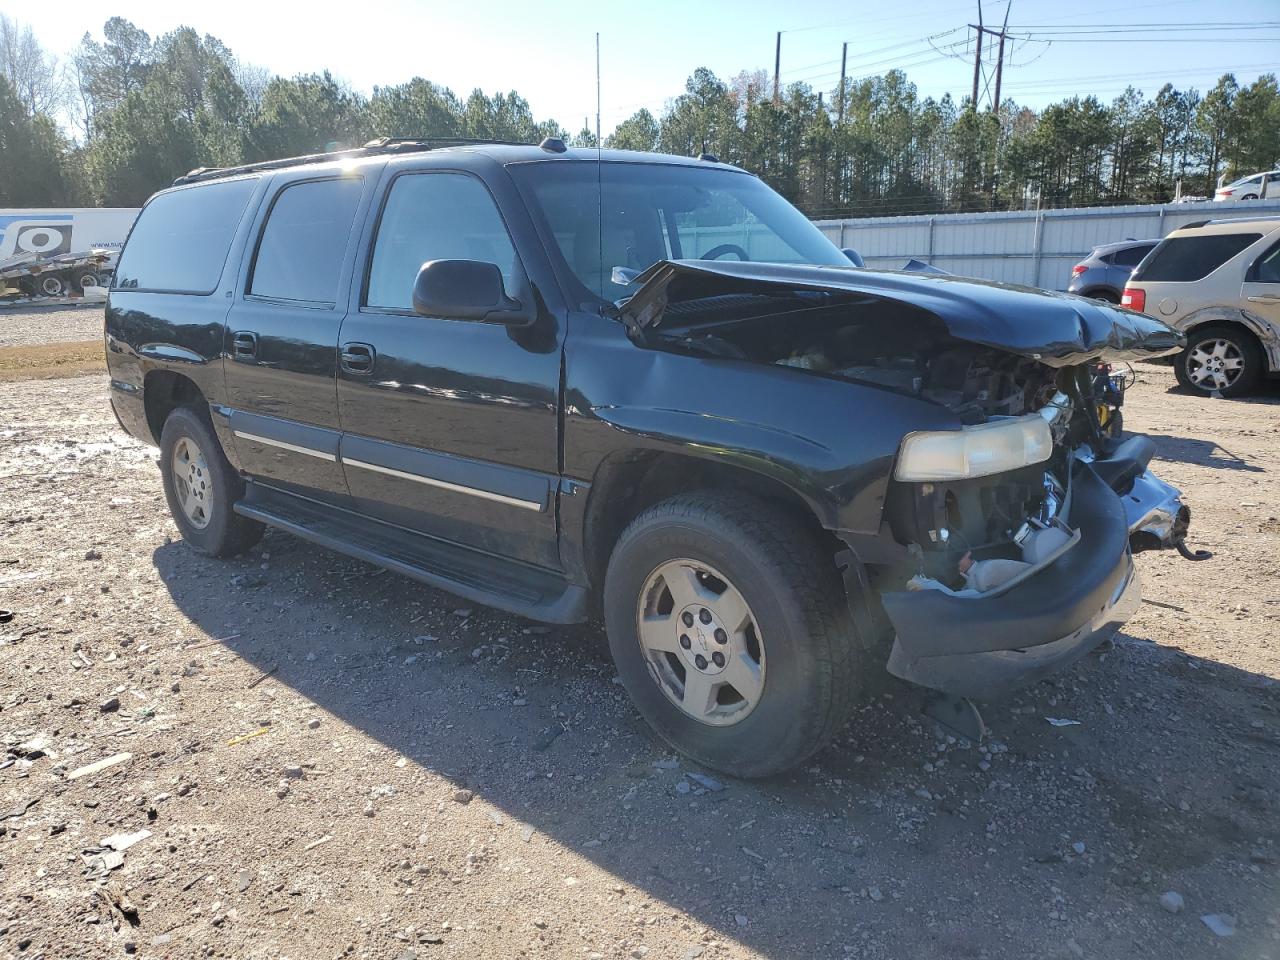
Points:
(598, 144)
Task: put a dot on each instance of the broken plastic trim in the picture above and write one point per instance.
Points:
(919, 582)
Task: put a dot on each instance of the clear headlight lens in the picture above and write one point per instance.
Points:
(975, 451)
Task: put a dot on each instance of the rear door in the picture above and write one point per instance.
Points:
(282, 333)
(450, 427)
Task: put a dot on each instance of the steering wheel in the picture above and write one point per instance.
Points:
(715, 253)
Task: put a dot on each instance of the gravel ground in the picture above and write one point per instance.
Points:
(27, 326)
(325, 760)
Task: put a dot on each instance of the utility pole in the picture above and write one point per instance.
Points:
(995, 106)
(777, 66)
(977, 56)
(844, 59)
(982, 32)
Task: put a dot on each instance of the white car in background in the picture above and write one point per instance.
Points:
(1250, 187)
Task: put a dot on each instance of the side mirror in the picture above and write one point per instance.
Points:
(854, 256)
(469, 290)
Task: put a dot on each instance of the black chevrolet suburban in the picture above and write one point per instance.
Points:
(573, 383)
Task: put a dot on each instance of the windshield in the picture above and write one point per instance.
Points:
(654, 211)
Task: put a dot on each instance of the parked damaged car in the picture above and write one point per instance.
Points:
(570, 384)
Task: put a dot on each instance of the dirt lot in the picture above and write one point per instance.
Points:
(27, 325)
(330, 761)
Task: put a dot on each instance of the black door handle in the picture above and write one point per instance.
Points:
(357, 357)
(244, 345)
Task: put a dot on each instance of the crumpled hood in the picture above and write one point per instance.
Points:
(1056, 328)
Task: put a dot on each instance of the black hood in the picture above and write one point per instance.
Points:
(1056, 328)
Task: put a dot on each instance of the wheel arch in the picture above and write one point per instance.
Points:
(163, 391)
(1268, 340)
(1094, 292)
(628, 482)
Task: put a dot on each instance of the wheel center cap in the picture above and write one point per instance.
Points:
(704, 644)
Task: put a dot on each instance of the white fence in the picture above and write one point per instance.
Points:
(1033, 247)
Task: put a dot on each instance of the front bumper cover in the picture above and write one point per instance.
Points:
(984, 646)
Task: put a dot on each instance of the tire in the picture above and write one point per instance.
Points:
(87, 280)
(53, 285)
(1230, 343)
(1106, 296)
(1250, 196)
(807, 657)
(201, 497)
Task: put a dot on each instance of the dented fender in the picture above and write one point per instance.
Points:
(832, 442)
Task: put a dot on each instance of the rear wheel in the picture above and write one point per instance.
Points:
(729, 629)
(53, 285)
(1220, 358)
(202, 487)
(1106, 296)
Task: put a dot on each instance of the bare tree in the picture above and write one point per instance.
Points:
(32, 71)
(253, 80)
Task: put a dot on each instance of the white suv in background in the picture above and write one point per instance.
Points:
(1217, 281)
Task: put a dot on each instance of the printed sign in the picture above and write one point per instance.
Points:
(48, 236)
(48, 233)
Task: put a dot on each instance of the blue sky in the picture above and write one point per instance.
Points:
(546, 50)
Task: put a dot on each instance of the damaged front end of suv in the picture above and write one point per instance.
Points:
(1007, 518)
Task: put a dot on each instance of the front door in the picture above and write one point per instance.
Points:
(1261, 293)
(282, 337)
(450, 427)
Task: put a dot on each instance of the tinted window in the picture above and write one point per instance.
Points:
(181, 239)
(1192, 258)
(303, 243)
(1131, 256)
(1266, 269)
(434, 216)
(655, 212)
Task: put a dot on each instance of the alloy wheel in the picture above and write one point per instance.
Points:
(701, 642)
(1215, 364)
(192, 482)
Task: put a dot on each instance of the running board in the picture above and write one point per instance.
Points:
(508, 585)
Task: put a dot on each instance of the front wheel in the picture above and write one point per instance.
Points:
(730, 631)
(202, 487)
(1222, 359)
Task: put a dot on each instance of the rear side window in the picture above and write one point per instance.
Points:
(1184, 259)
(1130, 257)
(304, 240)
(434, 216)
(181, 239)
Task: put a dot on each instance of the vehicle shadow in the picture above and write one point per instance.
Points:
(1205, 453)
(1266, 393)
(896, 841)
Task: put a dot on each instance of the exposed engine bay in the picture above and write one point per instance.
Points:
(970, 534)
(866, 340)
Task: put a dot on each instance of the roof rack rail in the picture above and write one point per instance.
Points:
(376, 147)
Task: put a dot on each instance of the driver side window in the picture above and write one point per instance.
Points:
(434, 216)
(1266, 269)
